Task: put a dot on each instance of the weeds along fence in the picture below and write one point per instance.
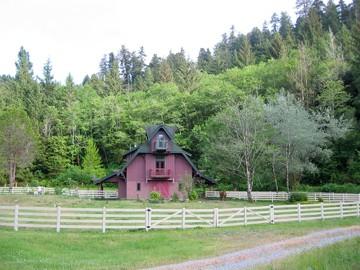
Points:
(27, 190)
(90, 194)
(104, 219)
(284, 196)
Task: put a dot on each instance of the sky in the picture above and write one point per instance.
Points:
(75, 34)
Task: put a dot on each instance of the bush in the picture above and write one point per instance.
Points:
(73, 176)
(174, 197)
(155, 196)
(298, 197)
(193, 195)
(331, 187)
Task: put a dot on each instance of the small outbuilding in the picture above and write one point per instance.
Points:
(157, 165)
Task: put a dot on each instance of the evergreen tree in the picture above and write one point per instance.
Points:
(165, 72)
(286, 27)
(125, 58)
(26, 86)
(103, 67)
(332, 18)
(245, 56)
(204, 60)
(275, 23)
(113, 82)
(303, 7)
(92, 161)
(24, 72)
(154, 65)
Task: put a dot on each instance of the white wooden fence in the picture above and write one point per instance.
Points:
(104, 219)
(27, 190)
(90, 194)
(284, 196)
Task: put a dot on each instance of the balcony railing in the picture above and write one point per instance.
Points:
(160, 173)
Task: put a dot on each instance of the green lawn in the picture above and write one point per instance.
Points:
(340, 256)
(44, 249)
(52, 200)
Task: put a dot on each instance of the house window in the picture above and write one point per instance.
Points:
(161, 143)
(160, 162)
(138, 187)
(180, 186)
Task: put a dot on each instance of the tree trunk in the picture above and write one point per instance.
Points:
(249, 180)
(12, 173)
(274, 174)
(287, 176)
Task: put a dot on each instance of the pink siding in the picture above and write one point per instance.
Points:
(122, 189)
(138, 172)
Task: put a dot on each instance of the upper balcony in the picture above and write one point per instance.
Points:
(159, 173)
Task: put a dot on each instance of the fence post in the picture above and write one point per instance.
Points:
(216, 217)
(322, 211)
(343, 197)
(299, 212)
(272, 197)
(183, 218)
(58, 218)
(358, 208)
(245, 217)
(272, 214)
(148, 219)
(104, 220)
(16, 217)
(341, 210)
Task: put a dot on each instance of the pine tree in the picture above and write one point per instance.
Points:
(204, 60)
(26, 87)
(165, 72)
(154, 65)
(245, 56)
(275, 21)
(113, 82)
(332, 18)
(286, 28)
(92, 161)
(24, 70)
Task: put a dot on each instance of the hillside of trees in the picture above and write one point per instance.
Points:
(276, 107)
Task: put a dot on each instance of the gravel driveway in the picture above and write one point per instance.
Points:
(248, 258)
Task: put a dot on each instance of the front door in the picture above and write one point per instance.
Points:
(162, 187)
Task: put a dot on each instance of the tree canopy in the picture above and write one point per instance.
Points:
(303, 73)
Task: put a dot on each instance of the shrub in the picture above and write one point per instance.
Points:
(174, 197)
(193, 195)
(155, 196)
(298, 197)
(320, 199)
(73, 176)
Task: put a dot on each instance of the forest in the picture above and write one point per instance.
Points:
(277, 108)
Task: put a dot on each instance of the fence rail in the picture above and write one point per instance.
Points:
(103, 219)
(90, 194)
(284, 196)
(27, 190)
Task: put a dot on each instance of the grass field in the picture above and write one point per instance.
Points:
(340, 256)
(52, 200)
(36, 249)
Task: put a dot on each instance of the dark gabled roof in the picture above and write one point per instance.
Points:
(152, 130)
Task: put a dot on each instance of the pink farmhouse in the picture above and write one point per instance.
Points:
(157, 165)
